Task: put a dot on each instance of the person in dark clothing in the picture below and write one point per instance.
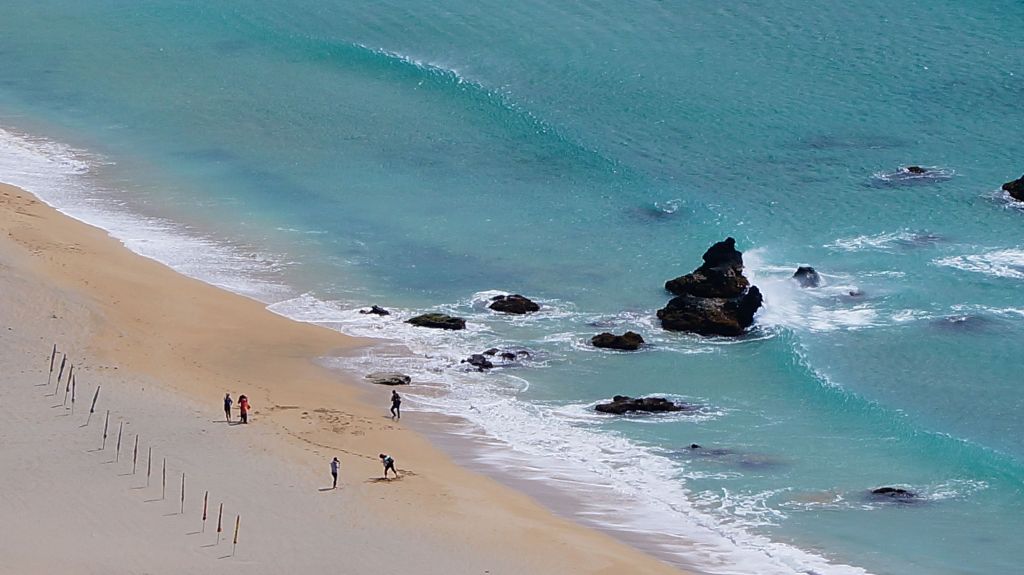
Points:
(334, 472)
(227, 406)
(396, 405)
(389, 463)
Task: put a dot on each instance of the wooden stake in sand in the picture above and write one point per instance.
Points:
(220, 514)
(60, 373)
(67, 386)
(72, 396)
(206, 496)
(163, 489)
(120, 430)
(234, 542)
(182, 494)
(135, 453)
(106, 422)
(92, 408)
(149, 465)
(53, 356)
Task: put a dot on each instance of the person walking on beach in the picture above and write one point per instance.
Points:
(243, 408)
(396, 405)
(227, 406)
(334, 472)
(389, 463)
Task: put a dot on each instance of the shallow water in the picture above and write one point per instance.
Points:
(425, 156)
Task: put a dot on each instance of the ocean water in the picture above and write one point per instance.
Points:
(323, 156)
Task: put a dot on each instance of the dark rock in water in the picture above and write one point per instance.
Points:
(1015, 189)
(478, 361)
(622, 404)
(855, 293)
(894, 493)
(386, 378)
(515, 303)
(915, 170)
(711, 316)
(807, 277)
(438, 321)
(492, 351)
(375, 310)
(508, 356)
(694, 446)
(716, 298)
(629, 341)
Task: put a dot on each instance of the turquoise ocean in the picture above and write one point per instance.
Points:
(326, 155)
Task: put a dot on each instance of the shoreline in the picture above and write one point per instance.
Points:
(210, 335)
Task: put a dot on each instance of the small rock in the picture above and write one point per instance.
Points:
(492, 351)
(629, 341)
(515, 303)
(1015, 189)
(389, 378)
(807, 277)
(915, 170)
(478, 361)
(375, 310)
(894, 493)
(438, 321)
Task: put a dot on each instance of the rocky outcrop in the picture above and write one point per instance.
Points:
(807, 277)
(375, 310)
(1015, 189)
(388, 378)
(629, 341)
(621, 404)
(716, 298)
(918, 170)
(438, 321)
(514, 303)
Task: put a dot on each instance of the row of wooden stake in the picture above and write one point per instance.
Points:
(70, 385)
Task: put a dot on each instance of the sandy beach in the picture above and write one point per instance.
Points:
(165, 349)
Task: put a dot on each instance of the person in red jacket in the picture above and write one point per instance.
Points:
(243, 408)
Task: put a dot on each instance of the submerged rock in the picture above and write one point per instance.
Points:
(807, 277)
(915, 170)
(375, 310)
(716, 298)
(621, 404)
(629, 341)
(514, 303)
(438, 321)
(389, 378)
(1015, 189)
(894, 493)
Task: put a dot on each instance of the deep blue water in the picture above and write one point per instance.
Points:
(328, 155)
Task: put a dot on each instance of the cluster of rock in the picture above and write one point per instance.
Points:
(622, 404)
(483, 361)
(1015, 189)
(714, 299)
